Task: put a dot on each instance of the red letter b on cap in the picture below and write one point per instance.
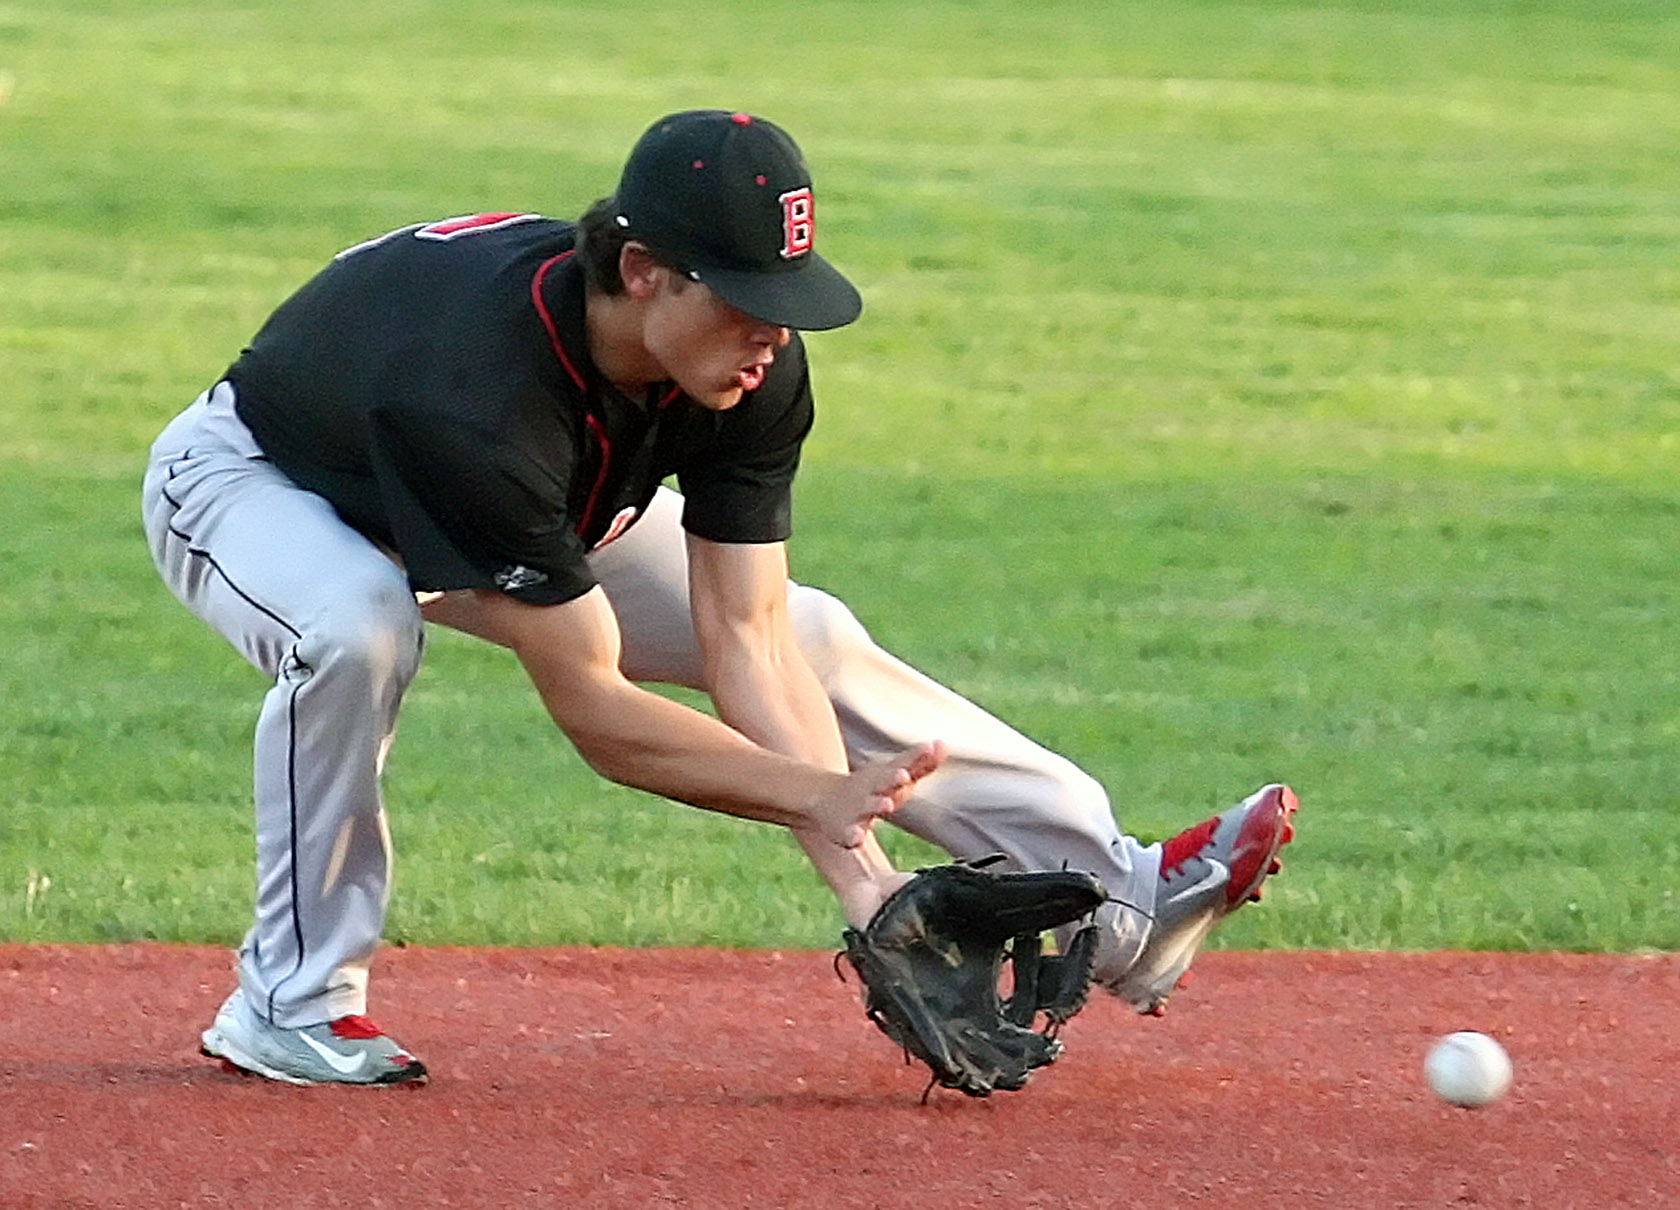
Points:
(798, 223)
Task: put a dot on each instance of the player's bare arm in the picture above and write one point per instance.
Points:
(639, 739)
(763, 686)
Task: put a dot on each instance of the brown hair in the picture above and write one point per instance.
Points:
(599, 241)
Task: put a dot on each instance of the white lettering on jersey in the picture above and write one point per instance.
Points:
(377, 240)
(473, 224)
(446, 229)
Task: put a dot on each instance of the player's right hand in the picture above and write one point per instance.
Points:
(874, 791)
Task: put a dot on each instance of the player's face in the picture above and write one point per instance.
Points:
(714, 352)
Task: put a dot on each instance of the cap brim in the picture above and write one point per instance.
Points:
(812, 298)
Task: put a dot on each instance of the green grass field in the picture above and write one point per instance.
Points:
(1247, 390)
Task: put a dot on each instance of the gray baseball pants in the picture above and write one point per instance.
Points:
(331, 620)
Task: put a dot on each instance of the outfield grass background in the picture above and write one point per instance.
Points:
(1247, 390)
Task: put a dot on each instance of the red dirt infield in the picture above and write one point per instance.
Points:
(661, 1078)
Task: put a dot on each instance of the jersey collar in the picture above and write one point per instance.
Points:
(557, 292)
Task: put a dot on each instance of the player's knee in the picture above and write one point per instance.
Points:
(377, 637)
(1081, 798)
(826, 630)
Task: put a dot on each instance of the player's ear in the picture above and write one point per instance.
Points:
(640, 272)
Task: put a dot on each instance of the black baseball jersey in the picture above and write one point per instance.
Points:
(435, 385)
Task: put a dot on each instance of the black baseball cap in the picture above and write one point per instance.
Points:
(726, 198)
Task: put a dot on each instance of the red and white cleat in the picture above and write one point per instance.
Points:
(1207, 872)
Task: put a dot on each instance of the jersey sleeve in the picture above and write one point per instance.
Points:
(467, 510)
(742, 489)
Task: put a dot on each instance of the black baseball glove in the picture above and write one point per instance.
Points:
(932, 959)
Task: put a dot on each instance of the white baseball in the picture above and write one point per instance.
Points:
(1468, 1069)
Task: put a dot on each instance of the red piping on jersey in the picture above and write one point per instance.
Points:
(537, 279)
(595, 426)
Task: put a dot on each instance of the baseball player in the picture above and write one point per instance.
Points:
(470, 422)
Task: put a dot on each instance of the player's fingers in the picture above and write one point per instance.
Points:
(886, 786)
(909, 767)
(890, 792)
(854, 836)
(925, 759)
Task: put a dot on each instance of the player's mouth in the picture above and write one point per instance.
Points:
(750, 378)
